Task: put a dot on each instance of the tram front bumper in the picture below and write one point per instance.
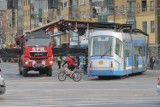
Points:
(105, 73)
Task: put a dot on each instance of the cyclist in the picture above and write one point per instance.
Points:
(70, 62)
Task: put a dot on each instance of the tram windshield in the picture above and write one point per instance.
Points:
(101, 46)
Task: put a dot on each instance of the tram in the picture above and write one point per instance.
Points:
(117, 52)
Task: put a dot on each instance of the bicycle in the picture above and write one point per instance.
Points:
(76, 76)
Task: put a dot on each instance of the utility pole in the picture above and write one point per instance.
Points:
(30, 14)
(114, 11)
(17, 18)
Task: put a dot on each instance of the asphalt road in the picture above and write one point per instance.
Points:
(42, 91)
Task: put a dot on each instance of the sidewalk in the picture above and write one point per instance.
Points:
(156, 67)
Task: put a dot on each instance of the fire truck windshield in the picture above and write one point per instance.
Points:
(37, 42)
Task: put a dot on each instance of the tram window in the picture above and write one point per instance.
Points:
(101, 45)
(139, 50)
(142, 50)
(127, 53)
(136, 49)
(128, 49)
(118, 47)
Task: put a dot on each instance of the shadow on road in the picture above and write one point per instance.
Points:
(115, 77)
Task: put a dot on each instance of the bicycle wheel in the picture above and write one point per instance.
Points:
(76, 76)
(62, 76)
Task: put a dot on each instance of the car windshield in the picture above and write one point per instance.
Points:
(37, 42)
(101, 46)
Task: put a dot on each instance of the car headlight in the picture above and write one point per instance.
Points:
(50, 62)
(2, 81)
(27, 62)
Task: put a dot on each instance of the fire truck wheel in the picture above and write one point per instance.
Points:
(49, 72)
(25, 72)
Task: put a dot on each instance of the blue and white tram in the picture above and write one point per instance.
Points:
(113, 53)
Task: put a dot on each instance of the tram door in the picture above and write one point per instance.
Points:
(135, 57)
(127, 57)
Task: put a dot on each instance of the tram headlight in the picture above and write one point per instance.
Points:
(90, 64)
(111, 63)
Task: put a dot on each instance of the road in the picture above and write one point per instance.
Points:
(42, 91)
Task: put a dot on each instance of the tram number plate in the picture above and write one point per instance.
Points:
(100, 63)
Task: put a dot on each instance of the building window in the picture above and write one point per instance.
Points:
(65, 5)
(122, 10)
(152, 27)
(80, 3)
(1, 23)
(132, 22)
(117, 10)
(144, 5)
(144, 26)
(138, 7)
(151, 5)
(1, 13)
(84, 15)
(131, 8)
(29, 2)
(83, 2)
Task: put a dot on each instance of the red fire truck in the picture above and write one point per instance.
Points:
(36, 53)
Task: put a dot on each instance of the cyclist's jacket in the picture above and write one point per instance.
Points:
(69, 61)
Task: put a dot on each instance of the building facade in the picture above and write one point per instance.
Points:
(142, 14)
(8, 21)
(2, 27)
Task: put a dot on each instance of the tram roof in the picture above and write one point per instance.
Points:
(121, 35)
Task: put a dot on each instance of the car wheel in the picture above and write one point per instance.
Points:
(20, 68)
(3, 60)
(25, 72)
(49, 72)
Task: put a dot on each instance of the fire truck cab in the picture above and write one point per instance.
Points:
(36, 54)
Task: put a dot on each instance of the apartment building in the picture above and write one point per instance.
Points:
(26, 14)
(84, 10)
(78, 10)
(145, 17)
(35, 13)
(2, 27)
(8, 21)
(140, 13)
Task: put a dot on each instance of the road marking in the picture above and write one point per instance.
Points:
(9, 64)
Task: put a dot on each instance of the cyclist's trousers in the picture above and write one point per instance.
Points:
(72, 67)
